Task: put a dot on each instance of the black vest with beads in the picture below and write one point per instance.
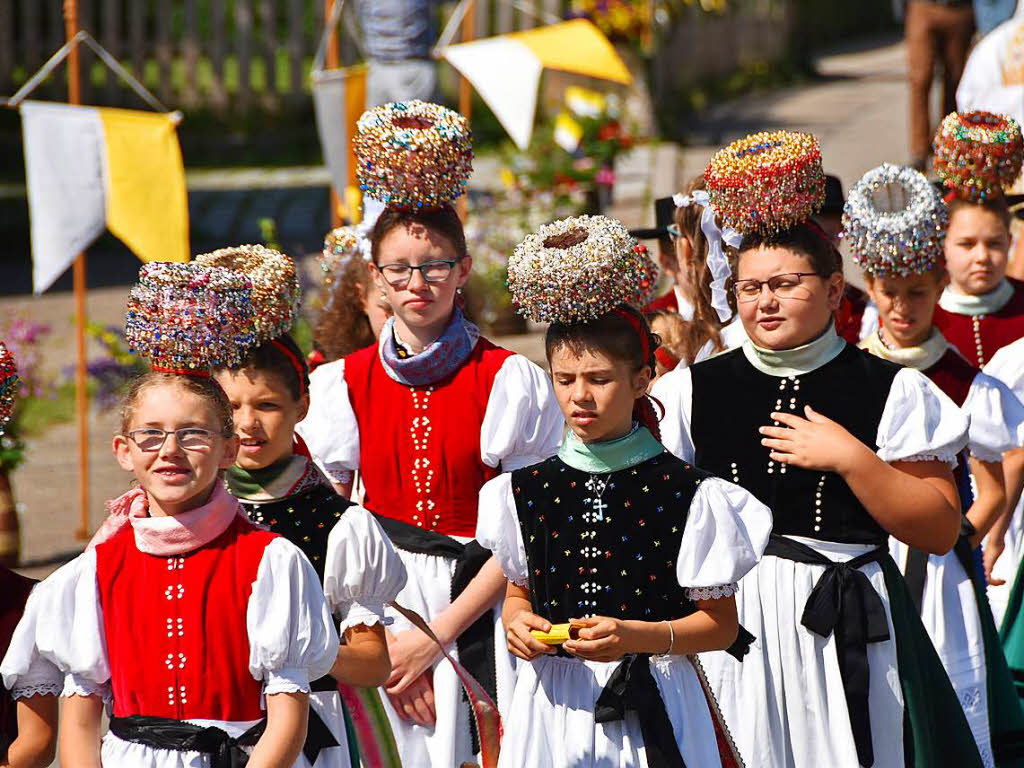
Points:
(605, 554)
(732, 399)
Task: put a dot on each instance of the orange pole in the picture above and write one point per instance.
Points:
(466, 90)
(81, 378)
(332, 60)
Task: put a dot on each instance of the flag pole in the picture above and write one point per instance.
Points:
(81, 394)
(466, 91)
(332, 61)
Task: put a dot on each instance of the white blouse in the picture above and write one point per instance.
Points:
(726, 533)
(522, 422)
(1007, 365)
(996, 416)
(362, 571)
(25, 672)
(919, 422)
(292, 639)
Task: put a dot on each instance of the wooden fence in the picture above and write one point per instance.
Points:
(227, 55)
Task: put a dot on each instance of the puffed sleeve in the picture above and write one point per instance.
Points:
(919, 422)
(292, 639)
(497, 528)
(996, 419)
(25, 672)
(330, 430)
(726, 533)
(1007, 365)
(522, 423)
(362, 571)
(674, 391)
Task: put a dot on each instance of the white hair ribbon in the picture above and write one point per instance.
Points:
(718, 264)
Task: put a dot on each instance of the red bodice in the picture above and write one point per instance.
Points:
(176, 626)
(669, 303)
(419, 447)
(953, 375)
(979, 337)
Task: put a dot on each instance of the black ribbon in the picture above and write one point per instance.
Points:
(916, 571)
(632, 688)
(844, 602)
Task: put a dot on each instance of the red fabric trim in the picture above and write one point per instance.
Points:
(666, 358)
(300, 370)
(199, 374)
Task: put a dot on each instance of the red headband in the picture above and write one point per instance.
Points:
(667, 359)
(300, 370)
(641, 332)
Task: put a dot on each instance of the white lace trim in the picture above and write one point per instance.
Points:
(341, 476)
(366, 615)
(287, 680)
(39, 689)
(712, 593)
(984, 454)
(79, 686)
(948, 458)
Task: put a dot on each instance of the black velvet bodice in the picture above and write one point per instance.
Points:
(610, 553)
(732, 400)
(305, 519)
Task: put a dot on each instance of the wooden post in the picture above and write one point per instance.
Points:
(466, 93)
(332, 61)
(81, 394)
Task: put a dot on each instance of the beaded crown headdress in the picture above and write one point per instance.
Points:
(577, 269)
(978, 154)
(10, 383)
(187, 318)
(341, 245)
(895, 222)
(413, 154)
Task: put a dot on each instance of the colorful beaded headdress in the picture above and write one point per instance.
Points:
(978, 154)
(275, 285)
(575, 270)
(9, 385)
(895, 222)
(413, 154)
(341, 245)
(767, 182)
(187, 318)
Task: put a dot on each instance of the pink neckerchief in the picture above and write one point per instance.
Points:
(170, 535)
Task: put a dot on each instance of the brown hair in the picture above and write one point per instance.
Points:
(705, 325)
(444, 221)
(673, 333)
(807, 239)
(282, 358)
(203, 387)
(996, 204)
(343, 327)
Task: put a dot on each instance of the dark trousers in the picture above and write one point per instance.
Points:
(934, 32)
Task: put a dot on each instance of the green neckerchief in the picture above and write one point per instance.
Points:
(254, 483)
(799, 360)
(610, 456)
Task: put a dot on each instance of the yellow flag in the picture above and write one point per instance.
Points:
(147, 203)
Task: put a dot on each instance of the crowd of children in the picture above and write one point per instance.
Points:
(718, 532)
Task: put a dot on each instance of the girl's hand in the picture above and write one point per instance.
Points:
(416, 702)
(601, 639)
(412, 653)
(520, 642)
(816, 442)
(989, 554)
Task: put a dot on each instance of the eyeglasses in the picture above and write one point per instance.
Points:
(189, 438)
(399, 275)
(786, 286)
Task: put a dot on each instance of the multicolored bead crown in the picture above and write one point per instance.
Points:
(978, 154)
(895, 222)
(413, 154)
(187, 318)
(9, 385)
(577, 269)
(275, 285)
(767, 182)
(340, 246)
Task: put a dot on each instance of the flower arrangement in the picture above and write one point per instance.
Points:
(24, 339)
(631, 21)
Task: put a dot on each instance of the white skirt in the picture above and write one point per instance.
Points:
(448, 743)
(784, 703)
(551, 724)
(949, 611)
(1007, 564)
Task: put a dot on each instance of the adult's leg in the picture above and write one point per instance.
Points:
(920, 41)
(957, 31)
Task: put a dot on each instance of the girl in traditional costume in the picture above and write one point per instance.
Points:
(846, 449)
(280, 488)
(204, 629)
(895, 222)
(628, 552)
(428, 415)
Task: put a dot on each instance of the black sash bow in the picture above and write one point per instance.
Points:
(843, 601)
(632, 688)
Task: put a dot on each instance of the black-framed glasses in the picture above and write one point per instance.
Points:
(785, 286)
(189, 438)
(399, 275)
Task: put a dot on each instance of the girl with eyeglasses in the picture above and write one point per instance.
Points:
(846, 449)
(427, 415)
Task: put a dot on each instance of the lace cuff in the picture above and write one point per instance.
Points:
(949, 459)
(287, 680)
(712, 593)
(366, 614)
(341, 476)
(39, 689)
(75, 685)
